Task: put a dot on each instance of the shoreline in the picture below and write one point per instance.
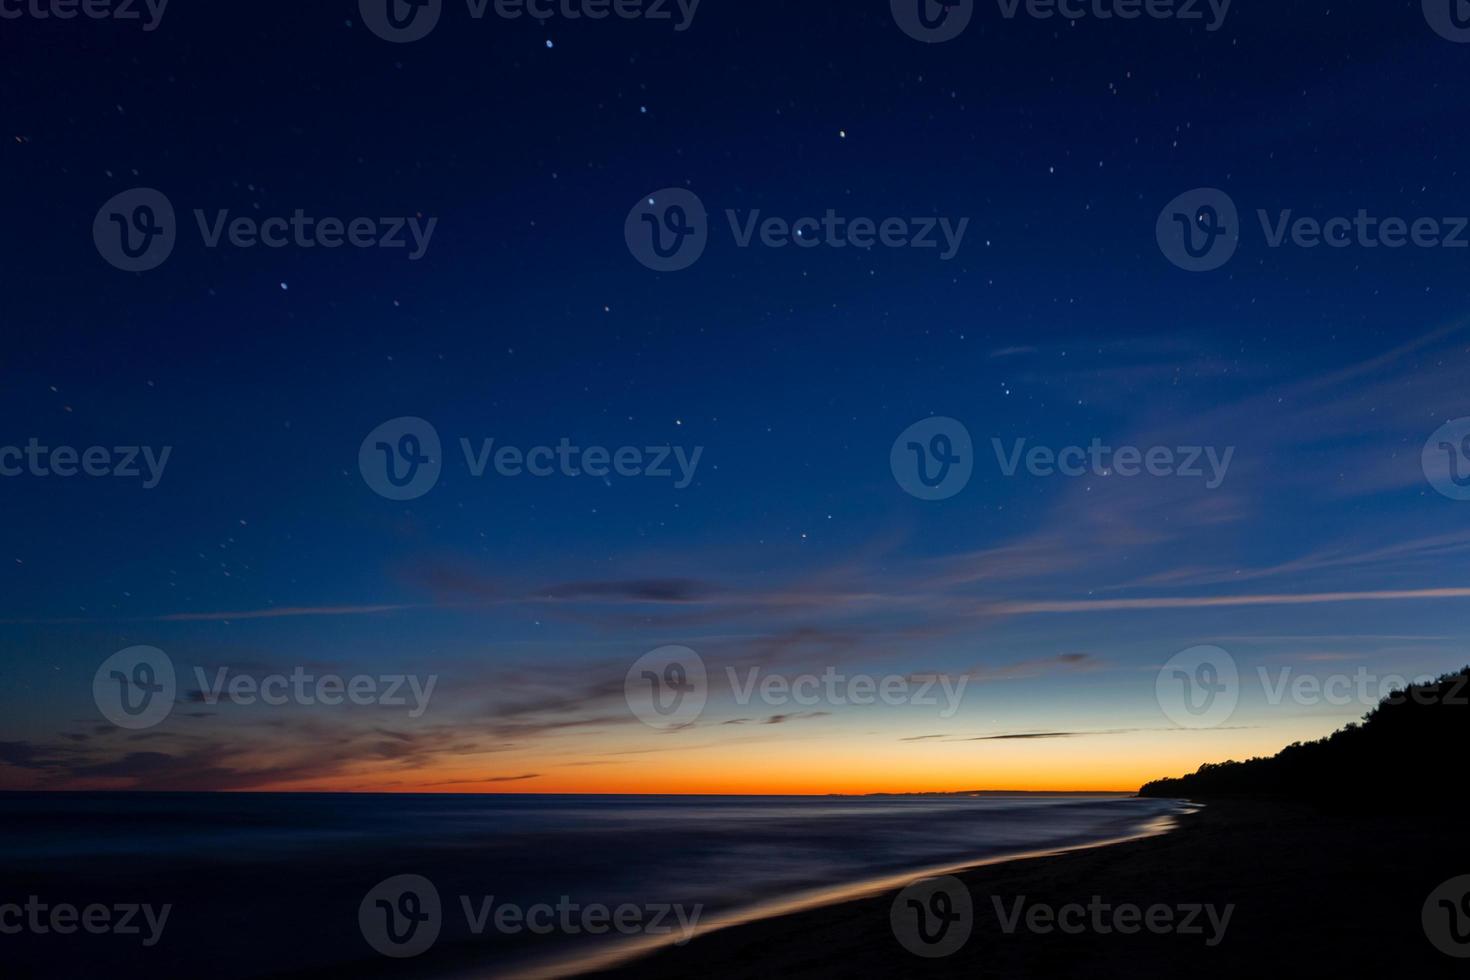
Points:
(1309, 890)
(639, 950)
(1312, 891)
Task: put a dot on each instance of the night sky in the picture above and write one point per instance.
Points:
(1058, 320)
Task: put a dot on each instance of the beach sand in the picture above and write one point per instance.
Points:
(1315, 894)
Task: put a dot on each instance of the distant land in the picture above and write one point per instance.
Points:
(996, 792)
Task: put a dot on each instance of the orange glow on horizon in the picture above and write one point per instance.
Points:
(812, 760)
(814, 766)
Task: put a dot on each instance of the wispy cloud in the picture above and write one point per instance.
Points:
(1205, 602)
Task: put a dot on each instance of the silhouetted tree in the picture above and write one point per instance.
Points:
(1405, 754)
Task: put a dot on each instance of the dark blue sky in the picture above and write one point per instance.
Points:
(527, 320)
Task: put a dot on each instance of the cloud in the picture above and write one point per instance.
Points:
(283, 612)
(25, 755)
(487, 779)
(795, 716)
(1205, 602)
(634, 590)
(272, 754)
(1026, 736)
(1042, 666)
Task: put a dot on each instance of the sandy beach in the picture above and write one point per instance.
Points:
(1313, 894)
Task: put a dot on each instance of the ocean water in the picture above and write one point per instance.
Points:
(274, 884)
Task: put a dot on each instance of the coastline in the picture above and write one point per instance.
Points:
(1314, 892)
(217, 860)
(633, 954)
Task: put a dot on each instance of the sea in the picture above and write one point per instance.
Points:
(297, 885)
